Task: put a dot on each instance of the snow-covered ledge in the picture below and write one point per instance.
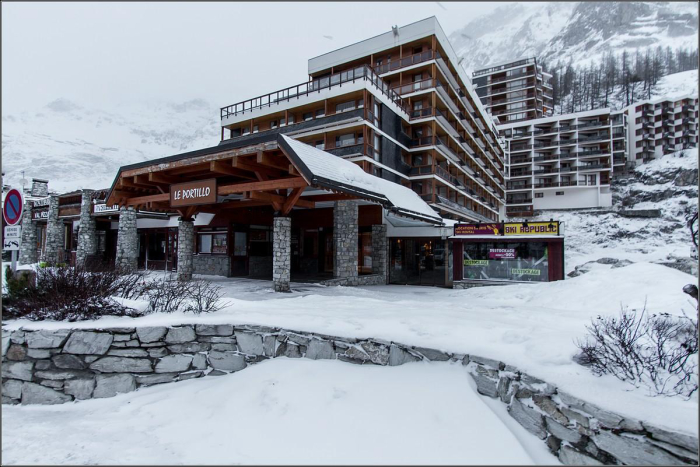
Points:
(63, 365)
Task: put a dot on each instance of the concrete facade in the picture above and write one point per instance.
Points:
(127, 240)
(55, 232)
(185, 250)
(281, 253)
(28, 252)
(87, 235)
(345, 232)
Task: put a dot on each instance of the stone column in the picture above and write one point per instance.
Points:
(345, 238)
(281, 253)
(87, 235)
(127, 258)
(27, 249)
(185, 250)
(379, 250)
(55, 232)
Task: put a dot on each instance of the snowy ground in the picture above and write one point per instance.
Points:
(282, 412)
(531, 326)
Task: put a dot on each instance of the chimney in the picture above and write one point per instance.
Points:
(40, 187)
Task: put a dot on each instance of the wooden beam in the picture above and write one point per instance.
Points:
(162, 178)
(222, 168)
(294, 182)
(280, 199)
(281, 163)
(292, 199)
(256, 168)
(333, 197)
(146, 199)
(242, 204)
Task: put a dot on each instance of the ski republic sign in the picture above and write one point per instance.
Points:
(193, 193)
(507, 229)
(12, 207)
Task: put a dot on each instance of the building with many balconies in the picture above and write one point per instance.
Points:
(398, 105)
(564, 161)
(661, 126)
(515, 91)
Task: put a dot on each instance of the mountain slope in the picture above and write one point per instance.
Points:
(80, 147)
(573, 31)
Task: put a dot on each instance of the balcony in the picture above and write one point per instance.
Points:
(494, 69)
(518, 200)
(597, 152)
(404, 62)
(421, 113)
(520, 173)
(409, 88)
(363, 73)
(513, 76)
(591, 124)
(519, 186)
(458, 207)
(590, 139)
(520, 211)
(584, 167)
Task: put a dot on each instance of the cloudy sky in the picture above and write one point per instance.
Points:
(103, 54)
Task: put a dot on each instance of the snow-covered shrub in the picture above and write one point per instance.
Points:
(659, 352)
(67, 294)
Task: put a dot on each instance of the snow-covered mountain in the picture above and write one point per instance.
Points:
(576, 31)
(75, 146)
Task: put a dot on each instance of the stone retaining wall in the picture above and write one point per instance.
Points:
(367, 279)
(57, 366)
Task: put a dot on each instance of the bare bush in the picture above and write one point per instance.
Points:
(205, 297)
(168, 294)
(68, 294)
(655, 351)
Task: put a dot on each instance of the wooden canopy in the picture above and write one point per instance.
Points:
(256, 175)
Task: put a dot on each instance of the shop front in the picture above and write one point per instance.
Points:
(512, 252)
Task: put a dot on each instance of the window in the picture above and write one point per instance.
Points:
(320, 113)
(274, 124)
(307, 116)
(377, 171)
(290, 119)
(592, 180)
(418, 105)
(345, 106)
(539, 195)
(559, 193)
(246, 130)
(319, 144)
(417, 50)
(360, 103)
(344, 140)
(255, 128)
(212, 243)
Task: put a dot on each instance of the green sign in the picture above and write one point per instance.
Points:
(525, 272)
(476, 262)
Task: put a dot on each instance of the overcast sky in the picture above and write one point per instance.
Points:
(101, 54)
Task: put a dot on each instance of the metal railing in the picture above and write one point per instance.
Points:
(364, 73)
(404, 62)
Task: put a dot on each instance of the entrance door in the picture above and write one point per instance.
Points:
(239, 257)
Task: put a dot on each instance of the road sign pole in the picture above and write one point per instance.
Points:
(14, 261)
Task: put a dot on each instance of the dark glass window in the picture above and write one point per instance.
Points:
(519, 261)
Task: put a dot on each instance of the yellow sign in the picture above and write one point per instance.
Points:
(531, 228)
(525, 272)
(476, 262)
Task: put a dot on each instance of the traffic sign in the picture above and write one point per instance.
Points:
(12, 208)
(13, 231)
(10, 244)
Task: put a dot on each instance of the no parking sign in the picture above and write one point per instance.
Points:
(13, 206)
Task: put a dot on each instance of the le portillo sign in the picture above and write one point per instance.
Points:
(193, 193)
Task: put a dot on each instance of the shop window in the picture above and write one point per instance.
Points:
(519, 261)
(212, 243)
(260, 242)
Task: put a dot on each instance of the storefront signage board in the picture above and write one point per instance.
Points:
(479, 229)
(531, 228)
(102, 207)
(193, 193)
(41, 202)
(40, 215)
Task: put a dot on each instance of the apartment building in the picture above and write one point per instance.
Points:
(563, 162)
(515, 91)
(661, 126)
(399, 106)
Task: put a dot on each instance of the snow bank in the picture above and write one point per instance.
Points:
(282, 411)
(531, 326)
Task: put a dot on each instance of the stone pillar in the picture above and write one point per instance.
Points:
(127, 258)
(27, 249)
(87, 235)
(185, 250)
(281, 253)
(345, 239)
(379, 250)
(55, 232)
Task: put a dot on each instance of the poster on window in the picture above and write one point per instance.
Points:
(502, 253)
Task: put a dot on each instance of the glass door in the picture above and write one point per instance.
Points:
(239, 257)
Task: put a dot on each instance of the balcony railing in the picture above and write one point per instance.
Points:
(519, 200)
(364, 73)
(503, 67)
(414, 87)
(404, 62)
(422, 113)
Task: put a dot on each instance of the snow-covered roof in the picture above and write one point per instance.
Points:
(326, 170)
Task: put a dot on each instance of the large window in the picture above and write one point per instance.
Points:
(519, 261)
(212, 243)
